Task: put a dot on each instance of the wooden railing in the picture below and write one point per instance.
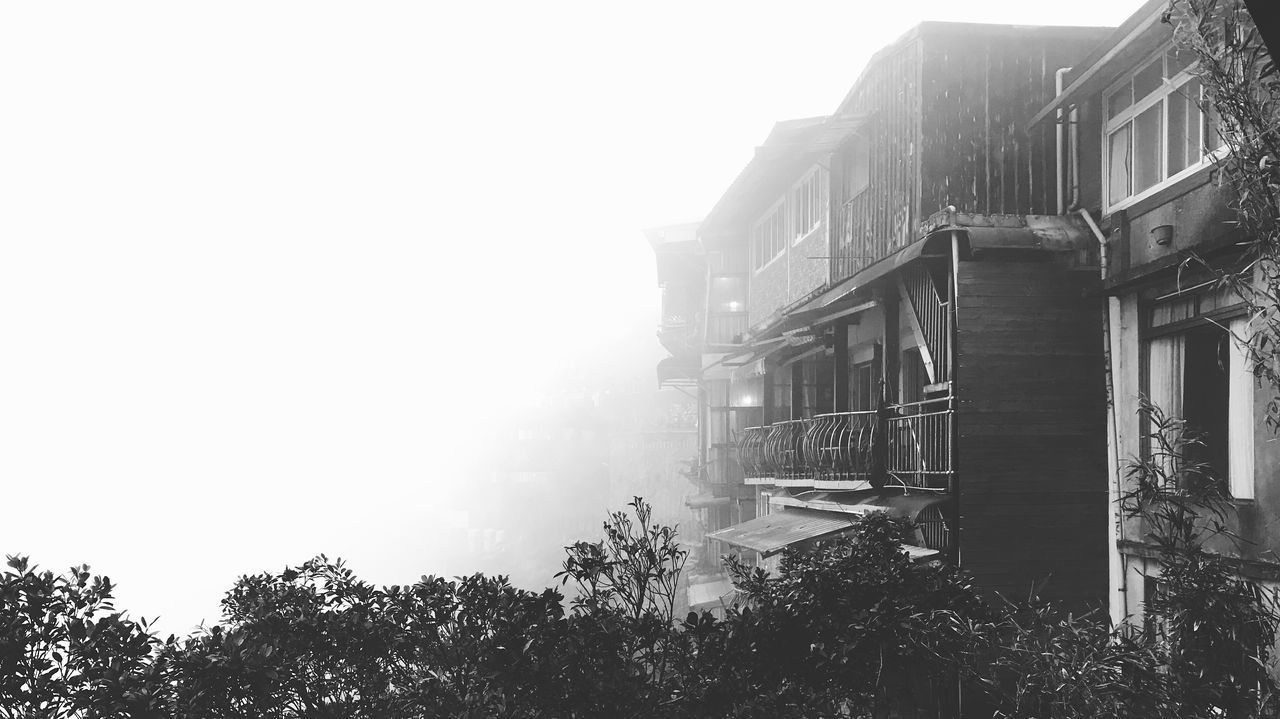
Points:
(914, 451)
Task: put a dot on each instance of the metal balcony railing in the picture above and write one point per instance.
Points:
(908, 445)
(841, 446)
(775, 452)
(920, 452)
(751, 449)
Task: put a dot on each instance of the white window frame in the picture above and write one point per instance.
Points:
(759, 260)
(1241, 417)
(1168, 87)
(817, 177)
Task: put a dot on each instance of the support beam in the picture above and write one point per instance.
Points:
(841, 374)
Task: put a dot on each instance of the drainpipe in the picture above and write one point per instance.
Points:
(1060, 166)
(1074, 134)
(1117, 600)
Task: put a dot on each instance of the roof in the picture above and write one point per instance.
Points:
(1137, 37)
(894, 502)
(978, 233)
(967, 30)
(678, 370)
(791, 148)
(775, 532)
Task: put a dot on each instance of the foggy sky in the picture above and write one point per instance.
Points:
(267, 269)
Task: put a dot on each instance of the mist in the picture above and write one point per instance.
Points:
(364, 279)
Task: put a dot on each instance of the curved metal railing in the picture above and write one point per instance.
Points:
(751, 453)
(784, 450)
(841, 446)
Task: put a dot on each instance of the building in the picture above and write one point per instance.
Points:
(1138, 151)
(898, 316)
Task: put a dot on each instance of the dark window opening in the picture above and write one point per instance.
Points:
(862, 389)
(1206, 389)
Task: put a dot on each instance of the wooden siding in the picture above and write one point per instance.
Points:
(947, 120)
(978, 92)
(882, 218)
(1031, 456)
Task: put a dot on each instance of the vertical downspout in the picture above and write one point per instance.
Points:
(1059, 167)
(1118, 600)
(954, 353)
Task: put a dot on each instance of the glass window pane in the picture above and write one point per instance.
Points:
(1119, 100)
(1178, 60)
(1147, 148)
(1178, 112)
(1195, 121)
(1148, 80)
(1118, 164)
(1212, 126)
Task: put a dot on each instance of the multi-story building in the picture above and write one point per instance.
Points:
(897, 317)
(1139, 146)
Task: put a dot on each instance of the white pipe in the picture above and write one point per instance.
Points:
(1058, 166)
(1118, 599)
(1075, 158)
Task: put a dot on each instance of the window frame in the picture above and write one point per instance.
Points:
(1239, 489)
(1168, 87)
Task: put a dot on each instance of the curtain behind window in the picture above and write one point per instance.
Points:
(1240, 409)
(1164, 386)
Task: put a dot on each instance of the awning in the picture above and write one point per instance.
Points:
(775, 532)
(702, 501)
(678, 371)
(710, 593)
(860, 503)
(831, 300)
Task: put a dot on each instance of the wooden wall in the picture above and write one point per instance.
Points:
(1031, 455)
(947, 109)
(979, 89)
(882, 218)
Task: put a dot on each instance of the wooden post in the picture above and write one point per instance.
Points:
(797, 390)
(841, 374)
(892, 344)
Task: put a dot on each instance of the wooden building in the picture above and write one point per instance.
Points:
(923, 334)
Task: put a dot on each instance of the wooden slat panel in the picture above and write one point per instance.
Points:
(1032, 448)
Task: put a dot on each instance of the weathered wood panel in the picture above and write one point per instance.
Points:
(978, 89)
(946, 110)
(882, 218)
(1031, 455)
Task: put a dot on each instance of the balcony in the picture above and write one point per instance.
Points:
(726, 328)
(919, 451)
(907, 445)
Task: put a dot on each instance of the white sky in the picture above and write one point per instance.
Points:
(265, 266)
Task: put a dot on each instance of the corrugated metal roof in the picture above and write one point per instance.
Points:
(710, 593)
(775, 532)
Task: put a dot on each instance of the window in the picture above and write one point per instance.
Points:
(1197, 372)
(795, 215)
(862, 395)
(806, 208)
(768, 239)
(1155, 129)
